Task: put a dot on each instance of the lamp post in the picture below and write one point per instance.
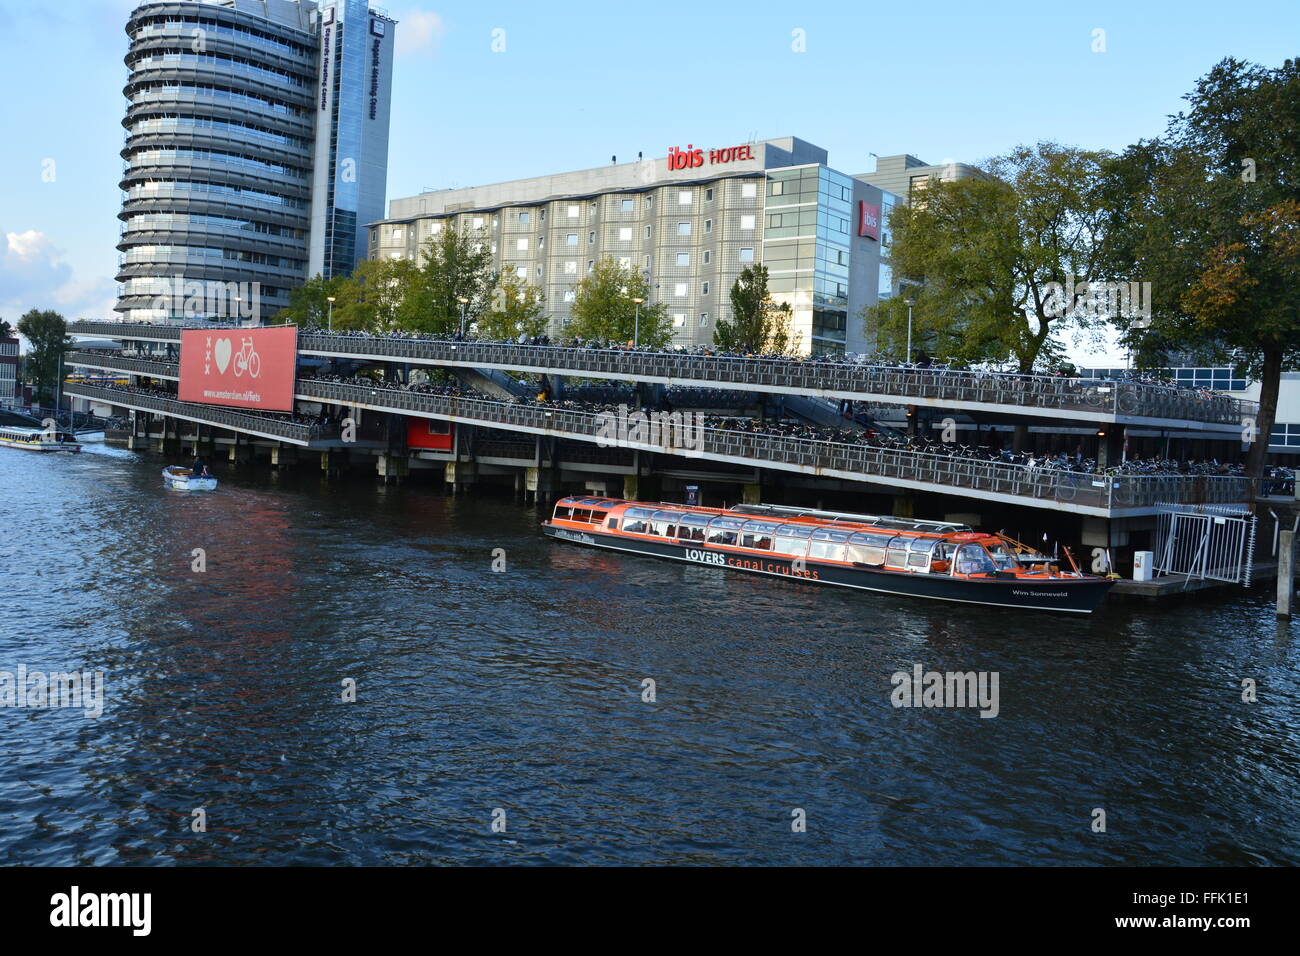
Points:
(330, 300)
(463, 302)
(636, 323)
(910, 302)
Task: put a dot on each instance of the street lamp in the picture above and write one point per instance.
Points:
(636, 323)
(463, 302)
(910, 302)
(330, 300)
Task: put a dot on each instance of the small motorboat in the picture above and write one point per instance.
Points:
(182, 479)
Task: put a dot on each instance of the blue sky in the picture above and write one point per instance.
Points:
(579, 82)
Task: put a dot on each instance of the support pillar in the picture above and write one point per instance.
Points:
(392, 468)
(753, 494)
(240, 453)
(904, 506)
(460, 475)
(284, 456)
(334, 461)
(1285, 574)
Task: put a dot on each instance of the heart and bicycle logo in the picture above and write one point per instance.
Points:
(245, 360)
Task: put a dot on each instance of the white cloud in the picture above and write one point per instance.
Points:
(34, 275)
(418, 31)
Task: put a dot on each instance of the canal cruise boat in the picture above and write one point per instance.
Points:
(38, 439)
(930, 559)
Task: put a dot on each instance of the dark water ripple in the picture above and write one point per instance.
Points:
(522, 691)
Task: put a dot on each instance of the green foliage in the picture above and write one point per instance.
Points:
(517, 308)
(757, 324)
(454, 266)
(604, 307)
(983, 252)
(308, 306)
(46, 333)
(6, 330)
(1211, 213)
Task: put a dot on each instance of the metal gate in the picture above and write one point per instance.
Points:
(1205, 542)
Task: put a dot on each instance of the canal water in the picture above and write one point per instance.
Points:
(517, 698)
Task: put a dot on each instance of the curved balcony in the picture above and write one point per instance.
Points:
(214, 106)
(221, 173)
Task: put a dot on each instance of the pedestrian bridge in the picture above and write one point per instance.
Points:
(1039, 396)
(893, 470)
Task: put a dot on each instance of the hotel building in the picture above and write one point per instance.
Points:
(256, 149)
(690, 221)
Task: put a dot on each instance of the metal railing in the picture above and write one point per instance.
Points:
(1028, 394)
(208, 414)
(1041, 486)
(123, 363)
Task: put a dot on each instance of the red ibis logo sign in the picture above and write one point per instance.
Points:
(692, 158)
(869, 221)
(241, 368)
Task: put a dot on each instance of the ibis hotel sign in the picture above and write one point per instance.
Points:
(691, 158)
(240, 368)
(869, 220)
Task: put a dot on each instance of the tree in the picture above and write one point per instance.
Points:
(454, 266)
(517, 308)
(377, 296)
(1209, 211)
(309, 304)
(757, 323)
(6, 330)
(991, 258)
(46, 333)
(605, 307)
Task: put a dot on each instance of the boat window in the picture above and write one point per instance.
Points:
(788, 545)
(635, 525)
(1003, 557)
(691, 527)
(870, 540)
(973, 559)
(598, 517)
(671, 517)
(794, 531)
(724, 530)
(639, 512)
(758, 534)
(580, 514)
(923, 544)
(896, 554)
(613, 524)
(827, 550)
(918, 560)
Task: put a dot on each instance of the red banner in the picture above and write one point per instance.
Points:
(869, 220)
(241, 368)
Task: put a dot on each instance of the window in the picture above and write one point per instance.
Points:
(625, 261)
(704, 288)
(648, 231)
(436, 228)
(542, 217)
(591, 264)
(776, 188)
(541, 242)
(521, 272)
(684, 198)
(679, 290)
(521, 244)
(626, 205)
(478, 222)
(679, 321)
(591, 238)
(593, 207)
(649, 202)
(568, 295)
(708, 225)
(683, 229)
(748, 190)
(625, 234)
(746, 222)
(523, 217)
(571, 267)
(708, 195)
(397, 232)
(571, 239)
(647, 263)
(573, 212)
(683, 258)
(747, 254)
(540, 273)
(704, 319)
